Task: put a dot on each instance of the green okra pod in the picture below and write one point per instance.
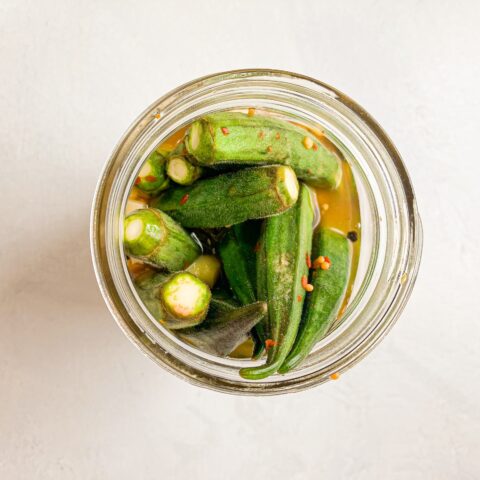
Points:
(235, 138)
(207, 268)
(180, 169)
(288, 241)
(261, 332)
(152, 177)
(152, 236)
(323, 303)
(185, 299)
(231, 198)
(238, 253)
(228, 332)
(178, 300)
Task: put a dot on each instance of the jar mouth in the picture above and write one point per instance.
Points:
(390, 221)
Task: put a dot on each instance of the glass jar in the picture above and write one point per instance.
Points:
(391, 227)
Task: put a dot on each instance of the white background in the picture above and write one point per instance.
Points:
(77, 400)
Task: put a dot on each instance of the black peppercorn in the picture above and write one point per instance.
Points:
(352, 236)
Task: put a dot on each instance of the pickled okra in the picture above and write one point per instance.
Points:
(178, 300)
(235, 138)
(324, 302)
(180, 169)
(152, 236)
(288, 240)
(231, 198)
(223, 244)
(238, 254)
(152, 177)
(185, 299)
(261, 329)
(207, 268)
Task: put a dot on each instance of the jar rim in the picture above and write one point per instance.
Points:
(408, 238)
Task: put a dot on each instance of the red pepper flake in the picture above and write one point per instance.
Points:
(269, 149)
(261, 134)
(269, 343)
(306, 286)
(157, 116)
(150, 178)
(327, 259)
(225, 130)
(308, 260)
(184, 199)
(277, 136)
(315, 147)
(335, 376)
(299, 298)
(256, 248)
(137, 180)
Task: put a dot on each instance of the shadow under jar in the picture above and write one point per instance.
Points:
(391, 235)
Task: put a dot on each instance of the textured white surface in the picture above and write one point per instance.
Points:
(77, 401)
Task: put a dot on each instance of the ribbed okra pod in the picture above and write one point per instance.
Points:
(324, 302)
(180, 169)
(152, 177)
(178, 300)
(152, 236)
(238, 253)
(231, 198)
(235, 138)
(288, 241)
(207, 268)
(185, 299)
(261, 329)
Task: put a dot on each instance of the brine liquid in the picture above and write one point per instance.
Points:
(340, 209)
